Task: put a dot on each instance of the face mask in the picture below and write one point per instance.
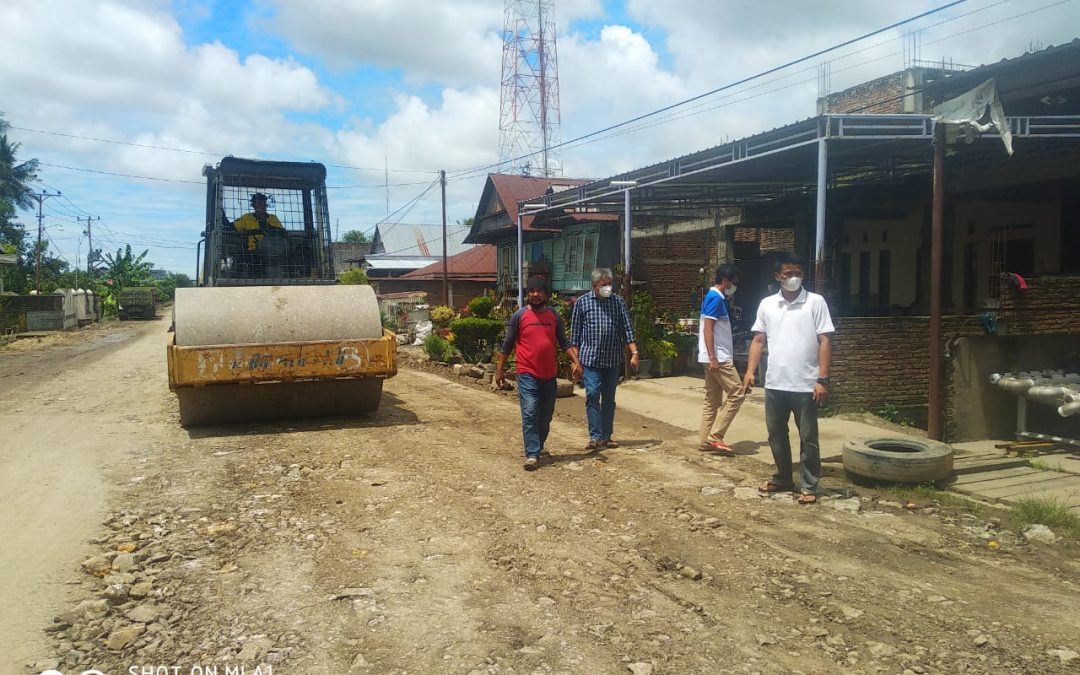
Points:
(792, 284)
(730, 291)
(604, 291)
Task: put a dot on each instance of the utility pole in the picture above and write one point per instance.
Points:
(40, 198)
(445, 271)
(90, 240)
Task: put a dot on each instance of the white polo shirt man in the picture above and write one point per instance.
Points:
(795, 325)
(791, 330)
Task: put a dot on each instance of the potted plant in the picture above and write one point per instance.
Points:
(685, 345)
(645, 362)
(663, 353)
(441, 316)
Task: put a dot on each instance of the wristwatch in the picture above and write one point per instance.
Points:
(823, 381)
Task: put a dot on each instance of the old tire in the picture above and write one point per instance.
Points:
(899, 460)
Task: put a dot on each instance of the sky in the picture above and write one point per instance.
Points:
(124, 101)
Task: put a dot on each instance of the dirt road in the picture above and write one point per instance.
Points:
(412, 541)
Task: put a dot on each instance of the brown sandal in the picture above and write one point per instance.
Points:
(806, 498)
(593, 446)
(771, 487)
(610, 443)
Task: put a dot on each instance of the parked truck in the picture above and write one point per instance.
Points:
(137, 302)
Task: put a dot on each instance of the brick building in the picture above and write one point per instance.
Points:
(852, 193)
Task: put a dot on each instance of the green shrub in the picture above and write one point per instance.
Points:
(662, 349)
(441, 315)
(476, 337)
(481, 306)
(354, 277)
(437, 348)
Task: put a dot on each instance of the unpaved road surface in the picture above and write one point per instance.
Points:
(413, 542)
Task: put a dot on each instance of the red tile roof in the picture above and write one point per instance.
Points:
(476, 264)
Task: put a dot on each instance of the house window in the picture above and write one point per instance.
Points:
(884, 271)
(864, 280)
(588, 261)
(971, 274)
(573, 254)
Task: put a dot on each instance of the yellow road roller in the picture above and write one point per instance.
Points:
(267, 333)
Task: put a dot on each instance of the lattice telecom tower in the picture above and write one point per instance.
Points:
(529, 104)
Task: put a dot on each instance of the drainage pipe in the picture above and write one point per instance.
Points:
(1069, 409)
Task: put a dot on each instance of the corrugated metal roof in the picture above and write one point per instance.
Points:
(376, 262)
(478, 261)
(513, 189)
(422, 239)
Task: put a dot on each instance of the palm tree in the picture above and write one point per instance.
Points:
(15, 178)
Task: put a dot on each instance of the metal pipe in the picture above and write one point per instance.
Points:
(626, 238)
(936, 224)
(445, 273)
(627, 225)
(1049, 393)
(520, 260)
(819, 232)
(1069, 409)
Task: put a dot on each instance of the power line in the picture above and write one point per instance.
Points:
(195, 152)
(724, 87)
(696, 110)
(122, 175)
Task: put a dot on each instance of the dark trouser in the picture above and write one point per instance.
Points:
(600, 384)
(537, 399)
(779, 405)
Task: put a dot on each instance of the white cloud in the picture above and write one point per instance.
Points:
(455, 43)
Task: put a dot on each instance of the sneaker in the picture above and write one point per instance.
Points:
(531, 464)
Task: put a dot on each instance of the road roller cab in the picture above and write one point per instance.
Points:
(268, 333)
(266, 223)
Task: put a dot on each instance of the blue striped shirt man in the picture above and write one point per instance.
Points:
(600, 328)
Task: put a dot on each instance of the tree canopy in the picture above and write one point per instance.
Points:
(15, 176)
(356, 237)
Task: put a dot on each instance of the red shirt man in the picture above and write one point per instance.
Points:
(535, 333)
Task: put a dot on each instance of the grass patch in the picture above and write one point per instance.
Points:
(1043, 466)
(928, 492)
(1049, 511)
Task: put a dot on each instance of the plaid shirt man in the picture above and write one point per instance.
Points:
(600, 329)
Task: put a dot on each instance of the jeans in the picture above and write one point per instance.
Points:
(779, 405)
(600, 400)
(537, 399)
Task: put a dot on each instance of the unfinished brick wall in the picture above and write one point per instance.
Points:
(885, 360)
(1051, 304)
(777, 239)
(876, 96)
(671, 265)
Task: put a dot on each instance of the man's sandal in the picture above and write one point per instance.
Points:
(719, 447)
(806, 498)
(771, 487)
(610, 443)
(593, 446)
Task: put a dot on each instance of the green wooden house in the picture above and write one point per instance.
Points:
(565, 253)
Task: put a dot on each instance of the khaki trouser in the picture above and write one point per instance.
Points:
(718, 413)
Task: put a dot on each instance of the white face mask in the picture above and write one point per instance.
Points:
(730, 291)
(792, 284)
(604, 291)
